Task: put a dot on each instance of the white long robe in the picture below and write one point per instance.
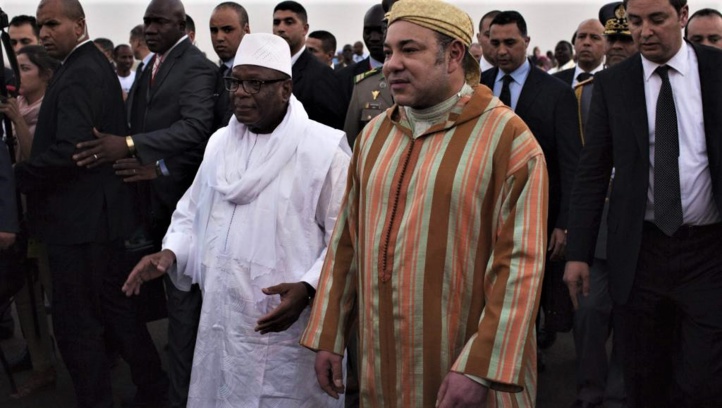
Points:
(233, 250)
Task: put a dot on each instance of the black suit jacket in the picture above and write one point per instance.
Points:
(317, 88)
(566, 75)
(173, 118)
(68, 204)
(8, 197)
(549, 108)
(617, 134)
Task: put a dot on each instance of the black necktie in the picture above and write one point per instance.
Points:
(139, 69)
(667, 197)
(505, 95)
(222, 70)
(584, 76)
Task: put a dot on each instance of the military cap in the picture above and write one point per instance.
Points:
(613, 17)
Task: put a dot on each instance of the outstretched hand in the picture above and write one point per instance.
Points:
(150, 267)
(106, 148)
(294, 298)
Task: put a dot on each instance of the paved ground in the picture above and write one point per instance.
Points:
(556, 384)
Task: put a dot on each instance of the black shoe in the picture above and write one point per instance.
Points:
(545, 338)
(21, 362)
(155, 396)
(586, 404)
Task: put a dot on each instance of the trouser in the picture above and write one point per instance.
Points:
(599, 377)
(671, 325)
(184, 312)
(32, 317)
(88, 305)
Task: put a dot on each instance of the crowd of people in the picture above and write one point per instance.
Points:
(405, 228)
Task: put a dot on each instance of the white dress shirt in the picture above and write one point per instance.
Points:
(578, 70)
(698, 206)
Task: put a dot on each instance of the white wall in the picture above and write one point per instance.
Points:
(548, 21)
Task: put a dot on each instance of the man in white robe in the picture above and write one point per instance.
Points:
(252, 231)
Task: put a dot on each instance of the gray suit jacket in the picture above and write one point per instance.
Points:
(173, 118)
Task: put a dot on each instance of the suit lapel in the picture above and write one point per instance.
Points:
(166, 65)
(529, 91)
(711, 85)
(636, 104)
(299, 67)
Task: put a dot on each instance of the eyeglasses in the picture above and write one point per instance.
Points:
(251, 86)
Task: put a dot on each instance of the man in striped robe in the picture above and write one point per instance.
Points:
(439, 248)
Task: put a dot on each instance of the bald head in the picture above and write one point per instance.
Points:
(373, 34)
(589, 44)
(62, 26)
(70, 8)
(164, 24)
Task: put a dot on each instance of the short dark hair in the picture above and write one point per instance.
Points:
(20, 20)
(567, 44)
(705, 12)
(240, 10)
(190, 24)
(40, 58)
(117, 49)
(443, 41)
(105, 44)
(509, 17)
(328, 41)
(138, 33)
(677, 4)
(491, 14)
(294, 7)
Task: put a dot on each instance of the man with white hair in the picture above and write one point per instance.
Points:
(252, 231)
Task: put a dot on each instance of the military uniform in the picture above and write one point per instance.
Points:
(371, 97)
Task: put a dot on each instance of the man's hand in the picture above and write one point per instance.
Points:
(557, 244)
(132, 171)
(6, 239)
(329, 373)
(576, 276)
(294, 298)
(458, 391)
(150, 267)
(106, 148)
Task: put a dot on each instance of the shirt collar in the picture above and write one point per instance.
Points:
(518, 74)
(679, 62)
(297, 55)
(147, 59)
(162, 56)
(375, 64)
(578, 70)
(80, 44)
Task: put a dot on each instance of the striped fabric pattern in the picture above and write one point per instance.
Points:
(439, 251)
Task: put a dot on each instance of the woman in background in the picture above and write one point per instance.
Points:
(36, 71)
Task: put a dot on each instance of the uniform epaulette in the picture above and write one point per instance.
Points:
(585, 82)
(360, 77)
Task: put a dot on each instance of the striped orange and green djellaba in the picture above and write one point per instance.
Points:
(439, 252)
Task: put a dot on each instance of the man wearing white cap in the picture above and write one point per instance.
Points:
(252, 231)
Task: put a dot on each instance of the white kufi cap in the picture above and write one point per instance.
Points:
(264, 50)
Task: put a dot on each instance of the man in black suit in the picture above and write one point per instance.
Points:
(228, 24)
(373, 35)
(656, 118)
(549, 108)
(589, 48)
(314, 83)
(83, 214)
(171, 115)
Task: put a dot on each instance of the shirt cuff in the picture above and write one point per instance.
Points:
(163, 168)
(479, 380)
